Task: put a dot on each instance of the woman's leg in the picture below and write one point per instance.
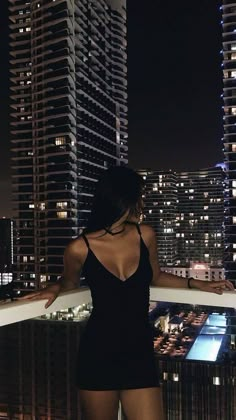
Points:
(99, 405)
(142, 404)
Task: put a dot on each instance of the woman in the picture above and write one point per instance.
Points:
(119, 259)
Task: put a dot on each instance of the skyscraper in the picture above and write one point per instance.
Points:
(229, 139)
(68, 121)
(160, 199)
(186, 210)
(199, 222)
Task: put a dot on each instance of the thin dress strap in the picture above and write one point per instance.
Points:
(138, 229)
(85, 240)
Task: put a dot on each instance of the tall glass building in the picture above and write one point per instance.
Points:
(68, 121)
(229, 95)
(186, 210)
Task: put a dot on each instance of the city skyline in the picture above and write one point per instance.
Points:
(192, 108)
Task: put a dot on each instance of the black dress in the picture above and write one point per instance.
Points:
(116, 349)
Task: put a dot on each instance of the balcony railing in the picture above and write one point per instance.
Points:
(22, 310)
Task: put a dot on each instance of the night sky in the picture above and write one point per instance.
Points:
(174, 87)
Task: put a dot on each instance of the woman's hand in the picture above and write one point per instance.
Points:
(217, 287)
(50, 293)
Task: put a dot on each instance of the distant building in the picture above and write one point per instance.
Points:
(187, 212)
(6, 250)
(200, 271)
(160, 200)
(200, 217)
(68, 66)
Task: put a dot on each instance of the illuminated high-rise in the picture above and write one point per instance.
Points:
(186, 210)
(68, 121)
(229, 139)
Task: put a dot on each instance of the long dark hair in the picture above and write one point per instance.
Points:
(120, 189)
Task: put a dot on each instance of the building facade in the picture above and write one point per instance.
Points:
(160, 200)
(68, 121)
(198, 390)
(229, 139)
(187, 212)
(200, 217)
(38, 381)
(6, 250)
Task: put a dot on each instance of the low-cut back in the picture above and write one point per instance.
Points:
(116, 349)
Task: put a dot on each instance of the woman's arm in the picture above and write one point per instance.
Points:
(162, 279)
(72, 268)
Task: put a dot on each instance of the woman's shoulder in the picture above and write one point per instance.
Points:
(77, 248)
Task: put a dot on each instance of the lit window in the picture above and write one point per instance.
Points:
(150, 211)
(234, 147)
(233, 73)
(62, 205)
(31, 206)
(43, 278)
(206, 255)
(206, 218)
(234, 220)
(233, 110)
(233, 47)
(234, 192)
(165, 376)
(206, 193)
(28, 29)
(175, 377)
(42, 206)
(60, 141)
(62, 214)
(25, 258)
(233, 56)
(216, 380)
(21, 30)
(205, 207)
(234, 256)
(234, 246)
